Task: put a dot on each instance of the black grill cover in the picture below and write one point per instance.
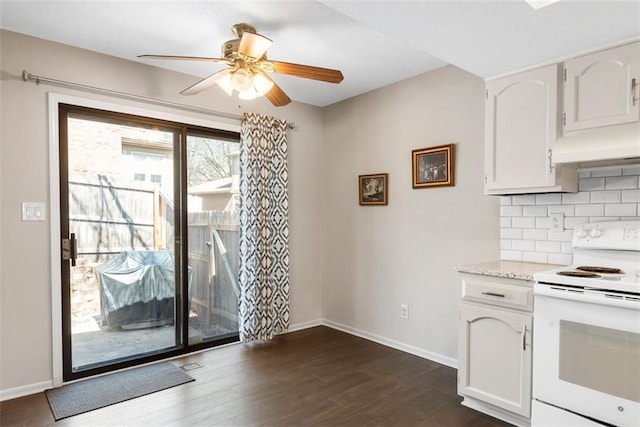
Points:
(137, 287)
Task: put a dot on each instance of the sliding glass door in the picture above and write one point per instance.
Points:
(149, 239)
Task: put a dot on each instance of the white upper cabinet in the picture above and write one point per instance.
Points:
(521, 126)
(601, 89)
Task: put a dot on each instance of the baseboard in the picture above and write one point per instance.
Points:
(435, 357)
(25, 390)
(305, 325)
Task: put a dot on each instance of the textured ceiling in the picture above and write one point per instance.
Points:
(374, 43)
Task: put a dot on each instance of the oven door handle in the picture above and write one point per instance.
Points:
(599, 298)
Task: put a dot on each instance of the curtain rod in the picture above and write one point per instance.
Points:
(26, 76)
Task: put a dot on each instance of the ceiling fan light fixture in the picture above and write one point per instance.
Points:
(248, 94)
(249, 68)
(241, 80)
(253, 45)
(261, 83)
(225, 83)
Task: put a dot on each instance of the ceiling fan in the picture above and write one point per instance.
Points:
(246, 56)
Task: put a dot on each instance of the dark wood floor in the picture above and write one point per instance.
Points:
(315, 377)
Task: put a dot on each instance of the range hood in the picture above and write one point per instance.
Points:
(603, 146)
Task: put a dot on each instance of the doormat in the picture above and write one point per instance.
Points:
(95, 393)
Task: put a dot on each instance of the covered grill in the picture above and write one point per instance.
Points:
(137, 289)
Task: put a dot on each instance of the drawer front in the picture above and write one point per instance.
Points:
(501, 294)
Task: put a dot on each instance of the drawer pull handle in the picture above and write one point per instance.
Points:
(493, 294)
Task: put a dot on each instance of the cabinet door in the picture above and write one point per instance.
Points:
(601, 89)
(520, 129)
(495, 357)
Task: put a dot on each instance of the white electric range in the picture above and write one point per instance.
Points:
(586, 351)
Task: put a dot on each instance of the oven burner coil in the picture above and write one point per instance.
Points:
(604, 270)
(578, 274)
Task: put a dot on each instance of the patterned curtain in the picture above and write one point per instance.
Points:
(264, 228)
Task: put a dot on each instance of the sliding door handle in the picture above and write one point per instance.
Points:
(70, 249)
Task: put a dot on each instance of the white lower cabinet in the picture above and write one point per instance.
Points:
(494, 364)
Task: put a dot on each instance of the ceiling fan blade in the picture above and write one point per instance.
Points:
(205, 83)
(276, 95)
(253, 45)
(184, 58)
(308, 72)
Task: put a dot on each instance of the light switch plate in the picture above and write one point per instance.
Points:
(33, 211)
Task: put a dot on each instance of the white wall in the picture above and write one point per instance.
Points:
(378, 257)
(25, 278)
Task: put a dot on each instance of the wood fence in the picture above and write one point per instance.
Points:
(109, 219)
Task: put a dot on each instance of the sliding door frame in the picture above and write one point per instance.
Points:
(198, 122)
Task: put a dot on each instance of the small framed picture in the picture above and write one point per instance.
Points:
(433, 166)
(374, 189)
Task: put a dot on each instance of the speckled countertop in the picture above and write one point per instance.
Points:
(507, 269)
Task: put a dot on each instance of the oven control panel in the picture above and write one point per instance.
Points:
(617, 235)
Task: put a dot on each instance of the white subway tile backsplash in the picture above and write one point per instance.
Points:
(534, 211)
(523, 245)
(590, 210)
(505, 222)
(511, 255)
(560, 259)
(576, 198)
(611, 196)
(560, 236)
(534, 234)
(603, 218)
(621, 209)
(604, 172)
(567, 210)
(523, 222)
(548, 246)
(548, 199)
(543, 222)
(510, 210)
(630, 196)
(534, 257)
(605, 194)
(511, 233)
(631, 170)
(622, 182)
(573, 221)
(590, 184)
(523, 199)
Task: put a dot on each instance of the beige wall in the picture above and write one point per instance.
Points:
(351, 266)
(25, 278)
(378, 257)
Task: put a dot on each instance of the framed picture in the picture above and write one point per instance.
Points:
(433, 166)
(373, 189)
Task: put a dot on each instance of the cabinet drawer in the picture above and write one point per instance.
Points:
(490, 292)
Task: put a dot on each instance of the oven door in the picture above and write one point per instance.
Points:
(586, 355)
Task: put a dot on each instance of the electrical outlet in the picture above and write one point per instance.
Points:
(556, 222)
(404, 311)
